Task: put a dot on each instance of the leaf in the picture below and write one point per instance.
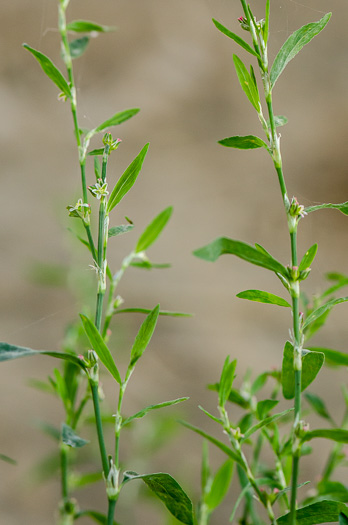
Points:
(246, 142)
(117, 119)
(220, 485)
(279, 121)
(235, 37)
(144, 336)
(294, 44)
(325, 511)
(342, 519)
(226, 380)
(149, 408)
(51, 70)
(82, 480)
(96, 516)
(9, 352)
(311, 364)
(127, 180)
(318, 312)
(308, 257)
(264, 407)
(78, 46)
(70, 438)
(266, 26)
(216, 419)
(119, 230)
(247, 83)
(147, 311)
(318, 405)
(100, 347)
(223, 245)
(332, 357)
(7, 459)
(148, 265)
(234, 397)
(343, 207)
(85, 26)
(265, 422)
(263, 297)
(153, 230)
(336, 434)
(169, 491)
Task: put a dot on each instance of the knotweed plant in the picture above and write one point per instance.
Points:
(78, 381)
(275, 487)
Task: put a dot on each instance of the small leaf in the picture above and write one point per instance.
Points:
(147, 311)
(226, 380)
(265, 422)
(117, 119)
(223, 245)
(332, 357)
(311, 364)
(9, 352)
(318, 312)
(325, 511)
(70, 438)
(148, 265)
(119, 230)
(143, 412)
(216, 419)
(294, 44)
(318, 405)
(343, 207)
(234, 397)
(7, 459)
(144, 336)
(336, 434)
(247, 83)
(153, 230)
(308, 257)
(96, 152)
(96, 516)
(279, 121)
(220, 486)
(246, 142)
(264, 407)
(127, 180)
(51, 70)
(85, 26)
(235, 37)
(100, 348)
(78, 46)
(169, 491)
(263, 297)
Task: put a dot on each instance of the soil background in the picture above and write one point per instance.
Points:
(168, 59)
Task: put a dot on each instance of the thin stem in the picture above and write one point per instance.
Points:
(111, 511)
(103, 454)
(64, 472)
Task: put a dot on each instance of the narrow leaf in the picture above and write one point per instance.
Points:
(144, 336)
(127, 180)
(147, 311)
(308, 257)
(96, 516)
(220, 485)
(7, 459)
(294, 44)
(235, 37)
(148, 409)
(153, 230)
(51, 70)
(119, 230)
(117, 119)
(325, 511)
(96, 152)
(78, 46)
(318, 405)
(263, 297)
(223, 245)
(226, 380)
(216, 419)
(336, 434)
(265, 422)
(169, 491)
(100, 347)
(332, 357)
(85, 26)
(318, 312)
(311, 364)
(246, 142)
(343, 207)
(9, 352)
(148, 265)
(247, 82)
(70, 438)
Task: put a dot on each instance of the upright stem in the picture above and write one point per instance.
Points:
(64, 472)
(102, 448)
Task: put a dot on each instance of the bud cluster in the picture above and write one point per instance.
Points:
(81, 210)
(109, 141)
(99, 189)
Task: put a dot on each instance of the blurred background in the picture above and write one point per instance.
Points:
(168, 59)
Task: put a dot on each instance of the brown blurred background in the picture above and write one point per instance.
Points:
(168, 59)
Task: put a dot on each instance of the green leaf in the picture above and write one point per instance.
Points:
(264, 407)
(318, 405)
(325, 511)
(169, 491)
(96, 152)
(308, 257)
(9, 352)
(332, 357)
(266, 26)
(318, 312)
(100, 347)
(223, 245)
(70, 438)
(343, 207)
(78, 46)
(247, 83)
(119, 230)
(127, 180)
(51, 70)
(220, 485)
(153, 230)
(148, 265)
(311, 364)
(149, 408)
(342, 519)
(96, 516)
(117, 119)
(226, 380)
(85, 26)
(246, 142)
(205, 469)
(147, 311)
(279, 121)
(7, 459)
(144, 336)
(294, 44)
(336, 434)
(234, 397)
(265, 422)
(235, 37)
(216, 419)
(82, 480)
(263, 297)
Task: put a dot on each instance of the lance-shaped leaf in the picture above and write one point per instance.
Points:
(127, 180)
(166, 313)
(148, 409)
(100, 347)
(9, 352)
(332, 357)
(294, 44)
(235, 37)
(226, 380)
(246, 142)
(311, 364)
(247, 83)
(223, 245)
(144, 336)
(153, 230)
(117, 119)
(308, 257)
(265, 422)
(318, 312)
(264, 407)
(96, 516)
(262, 297)
(51, 70)
(169, 491)
(70, 438)
(343, 207)
(336, 434)
(78, 46)
(319, 406)
(120, 230)
(219, 486)
(325, 511)
(7, 459)
(85, 26)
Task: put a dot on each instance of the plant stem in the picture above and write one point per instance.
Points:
(111, 511)
(64, 472)
(102, 448)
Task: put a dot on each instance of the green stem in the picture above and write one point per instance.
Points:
(64, 472)
(103, 454)
(111, 511)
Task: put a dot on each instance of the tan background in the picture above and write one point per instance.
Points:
(168, 59)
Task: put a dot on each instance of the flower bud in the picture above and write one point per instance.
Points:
(111, 481)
